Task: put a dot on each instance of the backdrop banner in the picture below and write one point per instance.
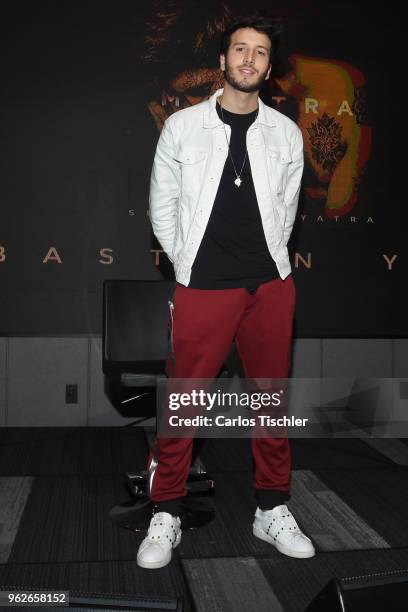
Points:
(86, 89)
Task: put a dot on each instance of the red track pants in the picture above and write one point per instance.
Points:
(204, 324)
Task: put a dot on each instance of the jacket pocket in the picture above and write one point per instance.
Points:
(192, 164)
(281, 154)
(279, 159)
(188, 155)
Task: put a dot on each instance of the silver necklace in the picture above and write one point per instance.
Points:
(238, 179)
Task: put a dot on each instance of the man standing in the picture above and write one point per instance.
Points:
(224, 191)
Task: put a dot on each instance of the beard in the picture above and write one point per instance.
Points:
(243, 85)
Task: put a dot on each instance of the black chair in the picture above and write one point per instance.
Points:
(135, 341)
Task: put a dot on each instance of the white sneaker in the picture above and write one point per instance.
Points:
(163, 535)
(278, 527)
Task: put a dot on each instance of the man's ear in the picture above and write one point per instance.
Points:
(222, 61)
(269, 72)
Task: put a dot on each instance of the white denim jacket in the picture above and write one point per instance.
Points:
(187, 169)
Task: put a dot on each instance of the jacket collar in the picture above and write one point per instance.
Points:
(211, 118)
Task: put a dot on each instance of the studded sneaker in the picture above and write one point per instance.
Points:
(163, 535)
(279, 528)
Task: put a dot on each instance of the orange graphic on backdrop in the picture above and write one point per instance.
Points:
(337, 142)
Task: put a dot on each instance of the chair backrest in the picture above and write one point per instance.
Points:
(135, 319)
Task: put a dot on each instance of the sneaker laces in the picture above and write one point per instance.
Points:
(288, 520)
(285, 519)
(161, 530)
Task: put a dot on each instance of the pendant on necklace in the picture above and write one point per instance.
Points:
(237, 181)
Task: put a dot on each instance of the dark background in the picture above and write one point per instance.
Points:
(78, 144)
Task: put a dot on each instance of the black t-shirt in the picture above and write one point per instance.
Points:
(233, 251)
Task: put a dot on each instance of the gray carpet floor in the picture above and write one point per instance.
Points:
(57, 486)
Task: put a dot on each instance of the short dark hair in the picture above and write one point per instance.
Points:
(261, 22)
